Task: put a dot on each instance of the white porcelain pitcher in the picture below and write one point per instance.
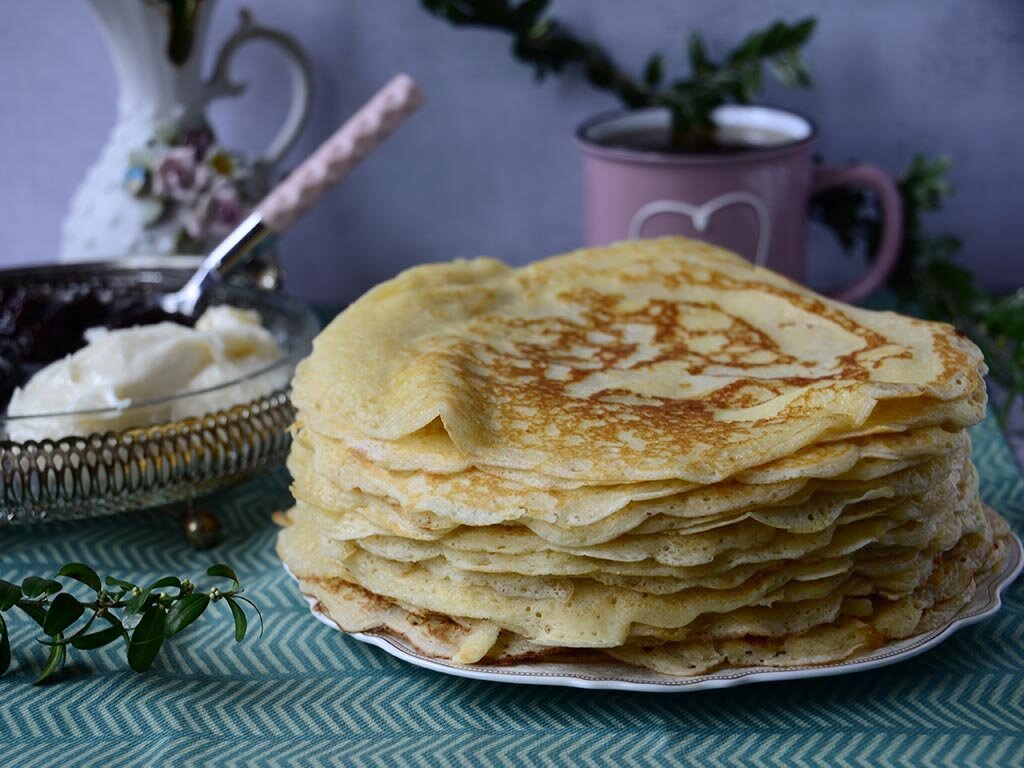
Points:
(157, 48)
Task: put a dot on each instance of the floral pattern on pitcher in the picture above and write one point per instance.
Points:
(163, 183)
(186, 179)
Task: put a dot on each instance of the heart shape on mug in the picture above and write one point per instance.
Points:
(700, 216)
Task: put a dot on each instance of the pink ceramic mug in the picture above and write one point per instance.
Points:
(752, 201)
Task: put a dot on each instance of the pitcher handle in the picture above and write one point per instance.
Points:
(882, 184)
(220, 83)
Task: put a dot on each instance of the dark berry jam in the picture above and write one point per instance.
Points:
(41, 323)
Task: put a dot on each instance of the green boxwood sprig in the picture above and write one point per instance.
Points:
(549, 46)
(143, 617)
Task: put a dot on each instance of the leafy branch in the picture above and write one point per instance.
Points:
(148, 615)
(927, 273)
(549, 46)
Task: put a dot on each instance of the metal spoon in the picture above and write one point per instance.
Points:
(302, 189)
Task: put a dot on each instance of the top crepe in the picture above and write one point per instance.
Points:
(650, 360)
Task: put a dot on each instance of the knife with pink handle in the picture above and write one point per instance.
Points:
(303, 187)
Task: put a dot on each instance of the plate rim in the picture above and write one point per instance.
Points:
(891, 653)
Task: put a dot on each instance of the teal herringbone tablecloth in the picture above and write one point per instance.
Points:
(305, 694)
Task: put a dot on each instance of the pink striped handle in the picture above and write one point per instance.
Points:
(333, 159)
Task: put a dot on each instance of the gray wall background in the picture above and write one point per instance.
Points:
(489, 167)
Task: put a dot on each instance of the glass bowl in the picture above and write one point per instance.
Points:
(186, 445)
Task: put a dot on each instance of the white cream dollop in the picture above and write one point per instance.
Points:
(124, 367)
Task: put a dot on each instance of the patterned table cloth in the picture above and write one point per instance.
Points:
(305, 694)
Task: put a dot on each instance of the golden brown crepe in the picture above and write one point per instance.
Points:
(651, 451)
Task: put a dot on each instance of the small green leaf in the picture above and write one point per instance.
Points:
(58, 652)
(791, 71)
(82, 573)
(147, 638)
(135, 603)
(773, 40)
(5, 647)
(97, 639)
(9, 594)
(776, 37)
(166, 581)
(222, 571)
(749, 48)
(1007, 316)
(113, 582)
(655, 70)
(185, 611)
(64, 611)
(801, 32)
(34, 586)
(240, 621)
(255, 607)
(748, 84)
(699, 61)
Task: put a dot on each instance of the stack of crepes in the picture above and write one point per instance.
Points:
(651, 451)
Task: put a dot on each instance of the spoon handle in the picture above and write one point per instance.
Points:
(303, 187)
(332, 161)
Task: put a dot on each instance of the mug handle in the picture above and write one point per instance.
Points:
(220, 83)
(882, 184)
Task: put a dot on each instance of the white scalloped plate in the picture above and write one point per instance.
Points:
(620, 677)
